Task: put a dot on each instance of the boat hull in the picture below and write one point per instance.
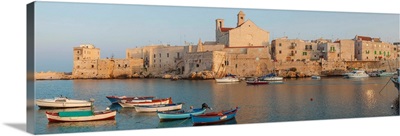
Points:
(104, 116)
(154, 102)
(227, 80)
(155, 108)
(177, 115)
(257, 82)
(207, 119)
(115, 99)
(70, 104)
(273, 78)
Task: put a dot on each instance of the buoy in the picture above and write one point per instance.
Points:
(391, 106)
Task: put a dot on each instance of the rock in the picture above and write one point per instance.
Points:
(167, 76)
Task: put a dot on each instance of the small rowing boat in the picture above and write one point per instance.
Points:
(115, 99)
(62, 102)
(78, 116)
(158, 107)
(182, 114)
(214, 117)
(125, 103)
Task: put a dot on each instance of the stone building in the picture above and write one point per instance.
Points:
(373, 49)
(284, 49)
(87, 64)
(246, 33)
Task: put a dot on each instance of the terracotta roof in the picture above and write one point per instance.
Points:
(225, 29)
(364, 38)
(337, 41)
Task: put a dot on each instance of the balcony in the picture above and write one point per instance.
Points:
(291, 54)
(292, 47)
(332, 51)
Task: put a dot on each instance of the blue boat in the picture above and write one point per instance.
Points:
(181, 114)
(214, 117)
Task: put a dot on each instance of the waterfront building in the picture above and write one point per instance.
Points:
(373, 49)
(284, 49)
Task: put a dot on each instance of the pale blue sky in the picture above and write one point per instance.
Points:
(114, 28)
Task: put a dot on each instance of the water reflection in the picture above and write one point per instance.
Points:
(100, 123)
(292, 100)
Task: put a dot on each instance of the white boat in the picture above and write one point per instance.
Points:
(357, 74)
(125, 103)
(315, 77)
(228, 79)
(272, 77)
(159, 107)
(62, 102)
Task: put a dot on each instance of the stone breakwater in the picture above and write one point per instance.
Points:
(297, 69)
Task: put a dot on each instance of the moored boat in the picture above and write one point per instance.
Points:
(228, 79)
(158, 107)
(181, 114)
(272, 77)
(257, 82)
(62, 102)
(78, 116)
(214, 117)
(115, 99)
(357, 74)
(315, 77)
(125, 103)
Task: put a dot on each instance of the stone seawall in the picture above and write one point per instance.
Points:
(52, 75)
(294, 69)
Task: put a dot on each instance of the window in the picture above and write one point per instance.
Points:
(119, 65)
(92, 66)
(304, 53)
(154, 56)
(380, 52)
(197, 65)
(160, 55)
(78, 52)
(77, 66)
(235, 65)
(177, 54)
(280, 52)
(168, 55)
(280, 44)
(199, 60)
(241, 17)
(77, 58)
(126, 65)
(375, 52)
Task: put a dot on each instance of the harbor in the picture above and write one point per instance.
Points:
(293, 100)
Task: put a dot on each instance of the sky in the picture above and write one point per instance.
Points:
(114, 28)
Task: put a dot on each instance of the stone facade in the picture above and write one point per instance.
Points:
(87, 64)
(284, 49)
(246, 33)
(373, 49)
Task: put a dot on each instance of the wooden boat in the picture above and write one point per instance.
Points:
(182, 114)
(125, 103)
(158, 107)
(214, 117)
(78, 116)
(62, 102)
(228, 79)
(115, 99)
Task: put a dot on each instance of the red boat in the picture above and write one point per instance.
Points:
(115, 99)
(125, 103)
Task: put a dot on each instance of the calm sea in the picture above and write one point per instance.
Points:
(294, 100)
